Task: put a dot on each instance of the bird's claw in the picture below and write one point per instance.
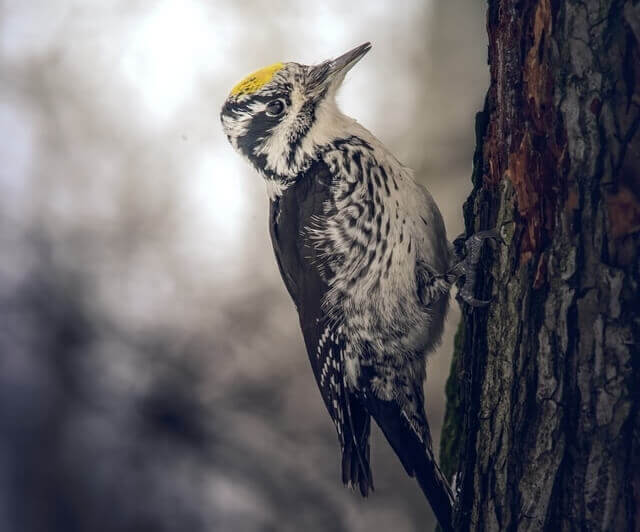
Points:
(467, 297)
(469, 259)
(473, 244)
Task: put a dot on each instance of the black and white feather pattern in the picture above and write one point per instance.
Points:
(363, 252)
(330, 353)
(300, 265)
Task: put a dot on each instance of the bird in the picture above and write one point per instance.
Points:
(363, 252)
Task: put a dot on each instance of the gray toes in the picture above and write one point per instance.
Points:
(473, 244)
(470, 300)
(468, 264)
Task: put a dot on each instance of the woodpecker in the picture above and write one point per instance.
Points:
(363, 252)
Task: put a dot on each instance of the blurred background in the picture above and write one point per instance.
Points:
(152, 373)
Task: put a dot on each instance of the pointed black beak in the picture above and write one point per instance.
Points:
(327, 72)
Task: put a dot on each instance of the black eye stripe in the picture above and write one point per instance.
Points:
(231, 108)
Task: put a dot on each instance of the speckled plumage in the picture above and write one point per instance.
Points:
(363, 252)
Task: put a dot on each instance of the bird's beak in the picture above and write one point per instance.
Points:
(332, 72)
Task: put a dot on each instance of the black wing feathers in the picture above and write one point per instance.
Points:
(301, 268)
(355, 454)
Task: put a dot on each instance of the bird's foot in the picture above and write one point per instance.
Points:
(468, 252)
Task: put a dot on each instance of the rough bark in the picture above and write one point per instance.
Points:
(543, 415)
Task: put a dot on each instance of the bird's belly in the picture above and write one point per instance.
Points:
(390, 321)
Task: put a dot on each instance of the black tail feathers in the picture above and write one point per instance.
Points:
(416, 454)
(437, 490)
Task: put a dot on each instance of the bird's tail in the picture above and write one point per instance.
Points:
(416, 454)
(436, 489)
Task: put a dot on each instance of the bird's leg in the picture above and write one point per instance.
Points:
(468, 252)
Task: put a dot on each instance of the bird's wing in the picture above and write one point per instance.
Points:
(351, 420)
(301, 267)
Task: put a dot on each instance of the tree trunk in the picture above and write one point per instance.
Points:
(543, 417)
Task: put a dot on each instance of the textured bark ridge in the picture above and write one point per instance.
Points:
(545, 388)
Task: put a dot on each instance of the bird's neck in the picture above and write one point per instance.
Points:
(288, 162)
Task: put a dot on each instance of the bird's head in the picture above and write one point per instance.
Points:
(279, 116)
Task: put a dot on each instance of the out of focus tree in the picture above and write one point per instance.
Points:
(545, 386)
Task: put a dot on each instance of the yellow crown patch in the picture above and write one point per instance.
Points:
(254, 81)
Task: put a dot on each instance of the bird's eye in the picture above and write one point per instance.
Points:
(275, 108)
